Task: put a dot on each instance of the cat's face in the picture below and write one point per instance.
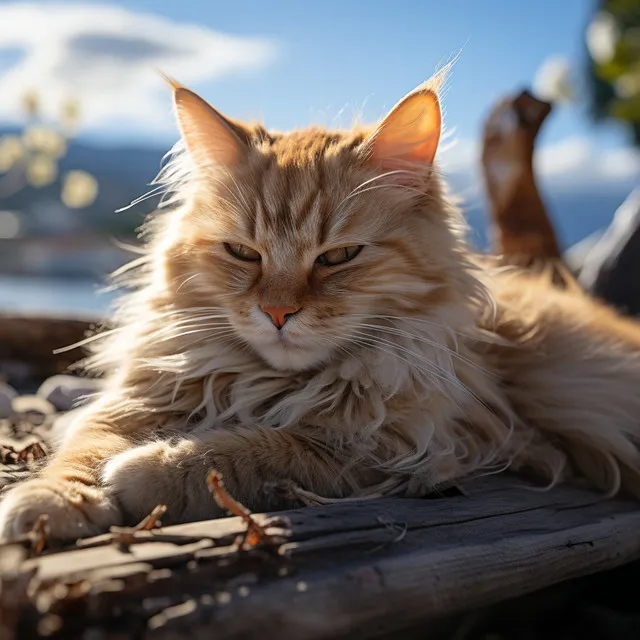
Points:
(303, 241)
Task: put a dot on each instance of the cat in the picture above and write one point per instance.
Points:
(308, 310)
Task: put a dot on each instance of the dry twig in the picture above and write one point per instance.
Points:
(29, 453)
(124, 537)
(152, 521)
(256, 533)
(34, 540)
(39, 534)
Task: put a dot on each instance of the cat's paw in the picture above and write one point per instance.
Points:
(151, 474)
(73, 510)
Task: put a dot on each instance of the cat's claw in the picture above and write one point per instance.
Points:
(73, 511)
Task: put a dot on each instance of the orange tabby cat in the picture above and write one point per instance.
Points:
(309, 310)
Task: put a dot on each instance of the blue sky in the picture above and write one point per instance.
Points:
(334, 54)
(292, 63)
(361, 56)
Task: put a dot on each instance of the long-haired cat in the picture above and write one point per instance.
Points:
(308, 310)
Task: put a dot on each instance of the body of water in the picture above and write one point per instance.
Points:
(49, 295)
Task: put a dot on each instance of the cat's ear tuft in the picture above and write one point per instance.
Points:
(410, 133)
(210, 137)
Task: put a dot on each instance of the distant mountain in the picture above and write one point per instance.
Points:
(123, 173)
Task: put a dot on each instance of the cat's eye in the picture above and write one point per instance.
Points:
(242, 252)
(338, 256)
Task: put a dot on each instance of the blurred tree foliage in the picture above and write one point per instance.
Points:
(32, 157)
(613, 42)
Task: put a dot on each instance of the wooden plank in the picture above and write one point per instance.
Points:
(348, 570)
(28, 341)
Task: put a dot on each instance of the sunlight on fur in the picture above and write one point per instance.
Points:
(307, 309)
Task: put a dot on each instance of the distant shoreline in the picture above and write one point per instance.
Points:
(49, 294)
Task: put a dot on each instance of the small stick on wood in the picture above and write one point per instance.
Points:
(256, 533)
(34, 540)
(10, 455)
(39, 535)
(143, 537)
(152, 521)
(124, 537)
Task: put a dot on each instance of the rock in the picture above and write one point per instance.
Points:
(7, 394)
(68, 392)
(36, 407)
(610, 269)
(576, 254)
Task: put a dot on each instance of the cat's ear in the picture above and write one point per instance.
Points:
(410, 132)
(210, 137)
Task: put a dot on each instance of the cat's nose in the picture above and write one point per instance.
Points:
(279, 315)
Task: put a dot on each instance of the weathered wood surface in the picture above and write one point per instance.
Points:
(353, 570)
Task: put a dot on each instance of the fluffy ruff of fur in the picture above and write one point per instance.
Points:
(416, 365)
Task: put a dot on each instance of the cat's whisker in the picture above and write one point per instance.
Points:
(200, 318)
(322, 340)
(238, 196)
(241, 195)
(432, 376)
(433, 343)
(191, 324)
(429, 373)
(432, 367)
(234, 206)
(230, 294)
(219, 336)
(211, 329)
(189, 312)
(381, 176)
(88, 340)
(432, 323)
(149, 194)
(187, 280)
(384, 186)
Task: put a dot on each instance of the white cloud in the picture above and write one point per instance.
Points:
(564, 158)
(553, 81)
(107, 57)
(578, 161)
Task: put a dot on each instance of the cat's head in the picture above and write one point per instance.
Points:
(301, 242)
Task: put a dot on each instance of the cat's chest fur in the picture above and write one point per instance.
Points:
(357, 395)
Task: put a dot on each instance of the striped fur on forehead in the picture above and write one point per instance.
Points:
(307, 146)
(301, 203)
(309, 188)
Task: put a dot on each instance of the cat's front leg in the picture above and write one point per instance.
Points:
(175, 474)
(68, 490)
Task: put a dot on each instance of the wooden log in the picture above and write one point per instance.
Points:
(28, 342)
(352, 570)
